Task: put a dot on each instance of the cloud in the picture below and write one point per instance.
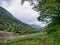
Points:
(23, 13)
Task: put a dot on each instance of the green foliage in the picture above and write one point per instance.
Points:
(47, 8)
(50, 9)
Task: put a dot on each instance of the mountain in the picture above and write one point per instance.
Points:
(5, 14)
(11, 24)
(35, 26)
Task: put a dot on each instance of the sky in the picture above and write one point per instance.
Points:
(25, 13)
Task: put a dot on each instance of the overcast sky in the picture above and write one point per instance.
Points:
(23, 13)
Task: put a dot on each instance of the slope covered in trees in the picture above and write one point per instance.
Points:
(11, 24)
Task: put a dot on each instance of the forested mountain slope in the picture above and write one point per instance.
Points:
(10, 23)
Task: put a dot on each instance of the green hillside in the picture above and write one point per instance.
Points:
(11, 24)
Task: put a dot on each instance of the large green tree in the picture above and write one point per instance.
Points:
(49, 12)
(49, 9)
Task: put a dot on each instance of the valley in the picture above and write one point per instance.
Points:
(15, 32)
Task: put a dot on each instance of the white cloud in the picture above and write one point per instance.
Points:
(23, 13)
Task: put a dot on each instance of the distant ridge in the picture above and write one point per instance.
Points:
(35, 26)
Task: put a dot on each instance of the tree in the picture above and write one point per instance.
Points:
(49, 9)
(49, 12)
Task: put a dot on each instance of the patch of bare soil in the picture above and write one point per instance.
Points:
(7, 35)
